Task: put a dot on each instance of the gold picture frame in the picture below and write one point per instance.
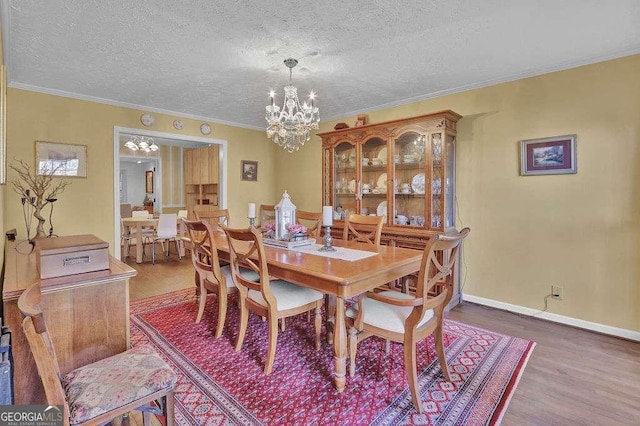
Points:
(63, 159)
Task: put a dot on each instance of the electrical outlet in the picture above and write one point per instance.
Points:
(556, 292)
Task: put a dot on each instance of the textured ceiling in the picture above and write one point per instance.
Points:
(217, 60)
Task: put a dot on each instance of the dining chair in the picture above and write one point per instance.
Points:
(212, 278)
(311, 220)
(182, 231)
(267, 214)
(410, 318)
(125, 210)
(269, 298)
(167, 231)
(126, 238)
(214, 217)
(366, 229)
(89, 394)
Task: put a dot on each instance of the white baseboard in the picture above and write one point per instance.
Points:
(593, 326)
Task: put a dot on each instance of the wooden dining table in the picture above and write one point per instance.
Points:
(137, 224)
(339, 278)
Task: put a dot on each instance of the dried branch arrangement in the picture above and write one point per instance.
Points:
(36, 191)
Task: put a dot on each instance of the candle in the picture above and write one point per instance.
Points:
(251, 211)
(327, 215)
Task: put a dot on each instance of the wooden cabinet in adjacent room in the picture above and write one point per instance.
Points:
(201, 177)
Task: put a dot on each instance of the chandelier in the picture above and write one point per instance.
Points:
(141, 143)
(290, 127)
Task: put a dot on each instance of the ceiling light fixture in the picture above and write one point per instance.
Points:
(291, 127)
(141, 143)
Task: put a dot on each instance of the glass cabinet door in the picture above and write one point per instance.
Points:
(437, 174)
(344, 180)
(410, 183)
(373, 187)
(449, 182)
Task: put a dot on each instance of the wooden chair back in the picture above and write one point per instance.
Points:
(311, 220)
(366, 229)
(214, 217)
(247, 250)
(44, 354)
(267, 214)
(438, 264)
(204, 255)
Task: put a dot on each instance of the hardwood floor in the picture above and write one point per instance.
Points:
(168, 274)
(574, 376)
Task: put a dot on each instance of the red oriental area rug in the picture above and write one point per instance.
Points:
(217, 385)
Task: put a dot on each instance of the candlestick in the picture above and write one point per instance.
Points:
(252, 222)
(251, 211)
(327, 215)
(327, 240)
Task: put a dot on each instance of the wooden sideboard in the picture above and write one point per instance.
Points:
(87, 315)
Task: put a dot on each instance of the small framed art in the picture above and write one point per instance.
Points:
(249, 170)
(61, 159)
(548, 156)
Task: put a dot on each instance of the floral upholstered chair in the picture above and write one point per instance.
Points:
(137, 379)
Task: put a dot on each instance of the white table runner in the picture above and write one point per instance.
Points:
(342, 253)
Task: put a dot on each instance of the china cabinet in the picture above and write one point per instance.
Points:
(403, 170)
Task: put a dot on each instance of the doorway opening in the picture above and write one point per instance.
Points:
(135, 190)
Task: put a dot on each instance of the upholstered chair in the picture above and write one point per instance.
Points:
(272, 299)
(210, 276)
(410, 318)
(89, 394)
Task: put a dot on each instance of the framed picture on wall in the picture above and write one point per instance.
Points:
(148, 181)
(63, 159)
(548, 156)
(249, 170)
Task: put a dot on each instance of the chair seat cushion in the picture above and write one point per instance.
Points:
(385, 316)
(226, 271)
(112, 382)
(288, 295)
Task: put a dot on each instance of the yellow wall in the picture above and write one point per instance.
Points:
(579, 231)
(86, 206)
